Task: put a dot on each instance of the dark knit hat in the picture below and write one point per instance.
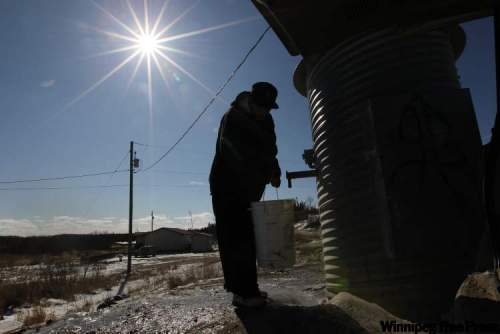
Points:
(264, 94)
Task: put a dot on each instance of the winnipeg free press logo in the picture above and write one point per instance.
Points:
(439, 327)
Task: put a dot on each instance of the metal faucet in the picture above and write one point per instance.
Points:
(310, 160)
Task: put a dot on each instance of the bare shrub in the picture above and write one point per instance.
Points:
(174, 281)
(87, 306)
(190, 276)
(210, 271)
(35, 316)
(311, 252)
(209, 268)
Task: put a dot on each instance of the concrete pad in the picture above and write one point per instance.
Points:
(319, 319)
(368, 315)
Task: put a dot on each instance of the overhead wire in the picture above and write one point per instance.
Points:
(107, 186)
(64, 188)
(181, 172)
(170, 149)
(64, 177)
(212, 100)
(107, 183)
(111, 173)
(101, 186)
(149, 145)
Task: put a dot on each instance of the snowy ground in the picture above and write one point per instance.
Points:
(176, 264)
(204, 307)
(299, 303)
(110, 266)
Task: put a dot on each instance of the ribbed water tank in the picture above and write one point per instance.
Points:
(356, 218)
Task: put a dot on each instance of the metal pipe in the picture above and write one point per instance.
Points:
(299, 175)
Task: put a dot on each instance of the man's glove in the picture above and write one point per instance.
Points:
(276, 180)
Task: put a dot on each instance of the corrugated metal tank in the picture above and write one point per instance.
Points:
(397, 147)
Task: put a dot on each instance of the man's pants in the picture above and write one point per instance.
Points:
(235, 236)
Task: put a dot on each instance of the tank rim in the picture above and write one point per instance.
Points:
(458, 41)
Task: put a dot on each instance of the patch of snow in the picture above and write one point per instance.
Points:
(9, 324)
(59, 307)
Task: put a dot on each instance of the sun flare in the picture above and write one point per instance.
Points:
(150, 43)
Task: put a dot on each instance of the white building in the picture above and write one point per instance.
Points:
(166, 240)
(201, 242)
(170, 240)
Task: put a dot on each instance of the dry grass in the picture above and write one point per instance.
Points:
(87, 306)
(54, 280)
(311, 254)
(16, 260)
(64, 280)
(308, 246)
(208, 269)
(174, 281)
(37, 316)
(10, 260)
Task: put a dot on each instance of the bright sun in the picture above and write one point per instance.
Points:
(148, 44)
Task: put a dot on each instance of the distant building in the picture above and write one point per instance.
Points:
(166, 240)
(171, 240)
(201, 242)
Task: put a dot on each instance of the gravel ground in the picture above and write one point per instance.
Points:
(205, 307)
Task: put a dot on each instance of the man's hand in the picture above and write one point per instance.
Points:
(276, 181)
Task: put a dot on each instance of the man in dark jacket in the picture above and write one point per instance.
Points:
(245, 161)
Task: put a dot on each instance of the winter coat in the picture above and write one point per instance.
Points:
(245, 155)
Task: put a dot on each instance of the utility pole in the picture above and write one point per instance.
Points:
(133, 164)
(152, 220)
(191, 216)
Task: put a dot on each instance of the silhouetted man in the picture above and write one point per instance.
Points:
(245, 161)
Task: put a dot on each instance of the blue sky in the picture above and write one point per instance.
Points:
(48, 60)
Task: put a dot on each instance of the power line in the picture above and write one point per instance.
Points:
(70, 187)
(181, 172)
(108, 186)
(228, 80)
(203, 154)
(64, 177)
(148, 145)
(116, 170)
(96, 198)
(121, 162)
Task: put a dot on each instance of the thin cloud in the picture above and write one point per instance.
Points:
(79, 225)
(196, 183)
(200, 220)
(47, 83)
